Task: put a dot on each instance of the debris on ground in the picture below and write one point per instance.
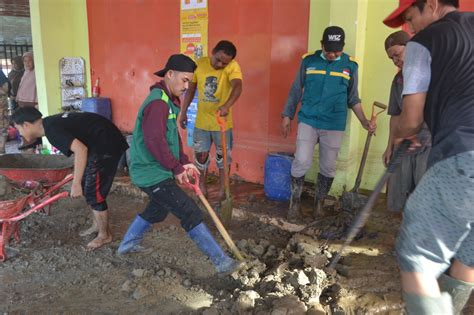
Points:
(285, 271)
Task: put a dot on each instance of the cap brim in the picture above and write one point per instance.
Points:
(333, 47)
(395, 19)
(161, 73)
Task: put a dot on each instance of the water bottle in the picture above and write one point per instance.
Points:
(191, 113)
(96, 88)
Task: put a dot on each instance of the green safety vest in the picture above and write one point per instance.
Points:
(324, 104)
(145, 170)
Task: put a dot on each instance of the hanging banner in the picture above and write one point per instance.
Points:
(194, 21)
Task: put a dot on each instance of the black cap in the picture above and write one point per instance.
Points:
(333, 39)
(178, 62)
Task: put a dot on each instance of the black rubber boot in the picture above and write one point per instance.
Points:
(295, 201)
(323, 185)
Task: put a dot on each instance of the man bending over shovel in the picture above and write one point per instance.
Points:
(158, 161)
(97, 145)
(435, 246)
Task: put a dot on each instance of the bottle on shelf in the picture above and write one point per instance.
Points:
(96, 88)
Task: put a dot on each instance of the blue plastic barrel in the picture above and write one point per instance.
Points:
(98, 105)
(277, 179)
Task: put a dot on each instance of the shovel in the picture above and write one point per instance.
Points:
(364, 214)
(226, 204)
(352, 199)
(215, 218)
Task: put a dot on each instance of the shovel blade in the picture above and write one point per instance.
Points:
(226, 211)
(353, 200)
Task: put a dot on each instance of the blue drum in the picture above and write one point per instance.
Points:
(277, 179)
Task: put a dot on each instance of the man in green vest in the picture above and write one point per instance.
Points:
(158, 161)
(326, 86)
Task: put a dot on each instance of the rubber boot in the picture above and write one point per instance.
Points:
(134, 236)
(204, 240)
(428, 305)
(460, 291)
(295, 201)
(323, 185)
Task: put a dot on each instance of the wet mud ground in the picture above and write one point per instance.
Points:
(51, 272)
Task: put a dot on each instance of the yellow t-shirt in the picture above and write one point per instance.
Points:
(214, 89)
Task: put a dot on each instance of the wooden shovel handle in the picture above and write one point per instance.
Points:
(221, 228)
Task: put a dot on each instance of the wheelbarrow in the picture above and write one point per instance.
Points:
(42, 183)
(49, 171)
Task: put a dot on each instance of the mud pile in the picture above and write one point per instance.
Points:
(290, 280)
(8, 191)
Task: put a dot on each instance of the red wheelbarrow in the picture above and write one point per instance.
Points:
(42, 176)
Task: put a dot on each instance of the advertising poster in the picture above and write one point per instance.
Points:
(194, 21)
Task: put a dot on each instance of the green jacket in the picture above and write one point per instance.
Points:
(145, 170)
(326, 91)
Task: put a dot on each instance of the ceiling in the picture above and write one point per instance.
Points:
(15, 8)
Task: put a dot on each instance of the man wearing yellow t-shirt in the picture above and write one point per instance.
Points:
(218, 79)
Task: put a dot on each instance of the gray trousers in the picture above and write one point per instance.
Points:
(329, 145)
(406, 177)
(438, 219)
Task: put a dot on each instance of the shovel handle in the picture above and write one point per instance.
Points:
(220, 227)
(364, 214)
(380, 105)
(222, 122)
(194, 186)
(373, 116)
(373, 120)
(362, 163)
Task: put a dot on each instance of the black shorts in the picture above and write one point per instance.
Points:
(98, 178)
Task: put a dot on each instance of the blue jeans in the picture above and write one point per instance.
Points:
(203, 140)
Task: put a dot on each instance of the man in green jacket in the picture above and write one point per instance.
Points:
(158, 161)
(326, 86)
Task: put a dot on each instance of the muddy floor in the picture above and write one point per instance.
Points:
(51, 272)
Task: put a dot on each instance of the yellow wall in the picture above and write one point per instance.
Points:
(365, 35)
(378, 75)
(59, 29)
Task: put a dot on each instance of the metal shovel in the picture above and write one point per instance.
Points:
(364, 214)
(353, 199)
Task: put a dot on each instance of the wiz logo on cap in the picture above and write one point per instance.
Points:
(333, 39)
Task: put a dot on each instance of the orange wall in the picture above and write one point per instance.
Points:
(130, 39)
(466, 5)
